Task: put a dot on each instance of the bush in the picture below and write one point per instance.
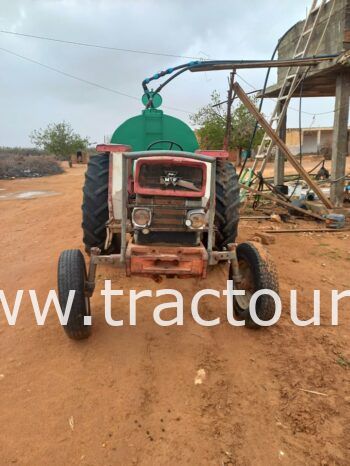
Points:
(20, 151)
(28, 166)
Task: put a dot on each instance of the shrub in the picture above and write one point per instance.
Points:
(28, 166)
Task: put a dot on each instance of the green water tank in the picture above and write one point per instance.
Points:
(154, 125)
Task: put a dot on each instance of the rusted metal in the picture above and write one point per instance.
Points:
(111, 259)
(218, 154)
(279, 201)
(154, 260)
(90, 281)
(128, 157)
(97, 259)
(221, 256)
(114, 226)
(234, 266)
(112, 148)
(171, 191)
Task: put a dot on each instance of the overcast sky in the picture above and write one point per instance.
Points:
(32, 97)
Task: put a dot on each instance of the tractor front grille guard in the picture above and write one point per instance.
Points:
(125, 176)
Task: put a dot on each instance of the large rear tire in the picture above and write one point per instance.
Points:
(95, 205)
(227, 204)
(71, 275)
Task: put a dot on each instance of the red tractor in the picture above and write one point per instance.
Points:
(156, 205)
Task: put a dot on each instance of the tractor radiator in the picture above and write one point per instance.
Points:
(168, 220)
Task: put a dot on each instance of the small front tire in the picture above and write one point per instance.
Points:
(257, 272)
(72, 276)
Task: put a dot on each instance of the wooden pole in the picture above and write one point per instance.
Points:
(307, 230)
(279, 201)
(280, 144)
(228, 128)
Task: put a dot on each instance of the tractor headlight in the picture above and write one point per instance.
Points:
(141, 217)
(196, 219)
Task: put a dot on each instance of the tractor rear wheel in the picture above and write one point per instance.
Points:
(95, 205)
(227, 204)
(71, 275)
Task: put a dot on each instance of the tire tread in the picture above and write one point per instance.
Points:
(71, 275)
(227, 204)
(265, 277)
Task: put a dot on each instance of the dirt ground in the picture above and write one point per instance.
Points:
(127, 395)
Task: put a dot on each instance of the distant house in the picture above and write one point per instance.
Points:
(316, 141)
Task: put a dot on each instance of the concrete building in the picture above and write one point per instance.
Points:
(318, 141)
(331, 35)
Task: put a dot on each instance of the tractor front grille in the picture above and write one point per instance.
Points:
(168, 220)
(168, 213)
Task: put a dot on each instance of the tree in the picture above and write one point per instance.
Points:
(243, 125)
(59, 139)
(210, 121)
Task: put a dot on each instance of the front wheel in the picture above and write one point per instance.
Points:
(257, 272)
(72, 276)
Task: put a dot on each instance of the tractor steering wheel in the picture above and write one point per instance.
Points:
(161, 141)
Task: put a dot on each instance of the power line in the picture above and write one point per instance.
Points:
(91, 83)
(97, 46)
(64, 73)
(118, 49)
(106, 47)
(271, 98)
(86, 81)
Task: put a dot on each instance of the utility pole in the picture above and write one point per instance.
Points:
(230, 98)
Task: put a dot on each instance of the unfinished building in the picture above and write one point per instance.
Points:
(330, 35)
